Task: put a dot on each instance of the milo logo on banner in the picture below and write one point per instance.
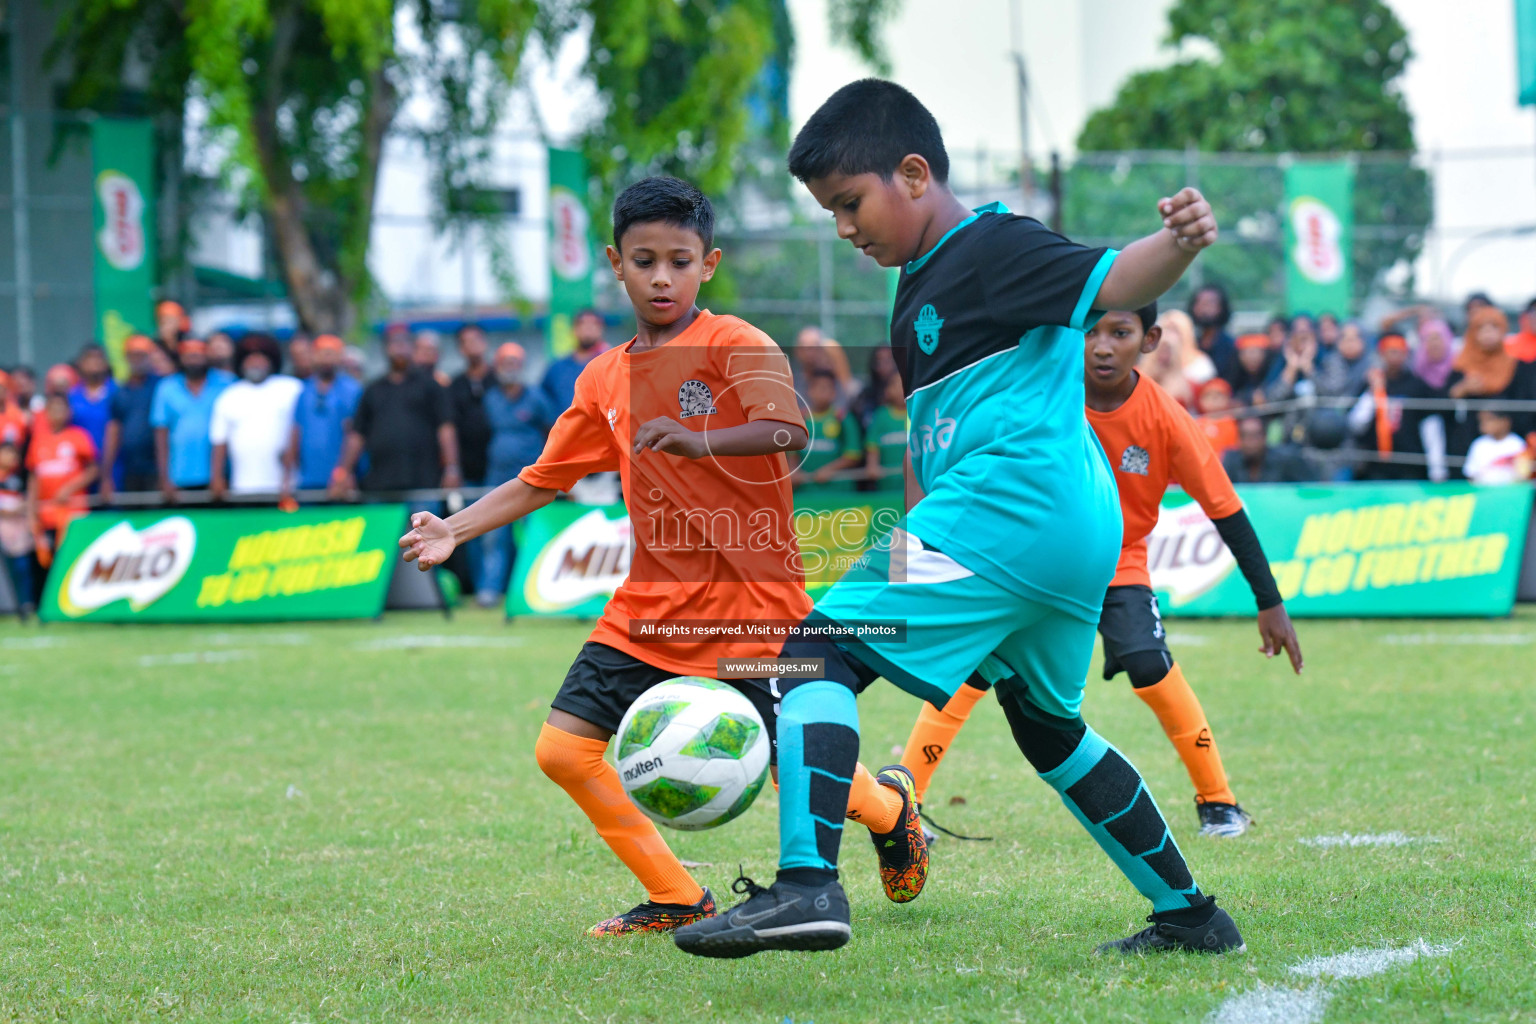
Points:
(124, 564)
(121, 238)
(1186, 557)
(583, 562)
(1319, 251)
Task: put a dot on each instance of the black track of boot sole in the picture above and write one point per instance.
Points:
(742, 942)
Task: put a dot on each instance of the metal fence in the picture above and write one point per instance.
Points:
(46, 246)
(1434, 226)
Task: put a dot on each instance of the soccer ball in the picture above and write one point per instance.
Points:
(693, 753)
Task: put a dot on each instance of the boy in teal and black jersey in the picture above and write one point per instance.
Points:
(1002, 565)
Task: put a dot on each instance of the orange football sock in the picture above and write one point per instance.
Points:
(576, 764)
(871, 804)
(934, 732)
(1183, 719)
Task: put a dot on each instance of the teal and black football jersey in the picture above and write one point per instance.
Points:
(988, 334)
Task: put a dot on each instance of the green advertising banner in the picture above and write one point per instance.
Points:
(123, 155)
(570, 247)
(1319, 235)
(224, 565)
(1354, 550)
(1525, 52)
(571, 558)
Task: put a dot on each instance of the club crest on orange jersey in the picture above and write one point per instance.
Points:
(1135, 460)
(695, 399)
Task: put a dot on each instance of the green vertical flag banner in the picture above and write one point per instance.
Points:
(123, 156)
(570, 247)
(1319, 236)
(1525, 53)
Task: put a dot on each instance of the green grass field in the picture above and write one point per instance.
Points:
(345, 822)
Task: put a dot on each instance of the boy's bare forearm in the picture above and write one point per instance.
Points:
(1143, 272)
(759, 437)
(1148, 267)
(506, 504)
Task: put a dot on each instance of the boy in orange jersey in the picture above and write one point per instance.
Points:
(1151, 442)
(695, 413)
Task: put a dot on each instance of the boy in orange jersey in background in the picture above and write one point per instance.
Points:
(695, 413)
(1151, 442)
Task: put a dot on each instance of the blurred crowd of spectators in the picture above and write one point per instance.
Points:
(1311, 398)
(197, 419)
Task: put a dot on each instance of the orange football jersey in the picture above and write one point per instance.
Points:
(713, 537)
(1152, 442)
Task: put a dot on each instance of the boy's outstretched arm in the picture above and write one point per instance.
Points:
(759, 437)
(1275, 629)
(1149, 266)
(430, 540)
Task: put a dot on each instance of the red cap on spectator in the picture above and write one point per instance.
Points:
(508, 349)
(138, 343)
(192, 345)
(1253, 341)
(167, 306)
(1216, 384)
(330, 343)
(62, 374)
(1392, 341)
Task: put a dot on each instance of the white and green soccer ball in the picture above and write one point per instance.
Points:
(692, 753)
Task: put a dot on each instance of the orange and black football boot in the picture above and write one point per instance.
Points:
(903, 850)
(657, 917)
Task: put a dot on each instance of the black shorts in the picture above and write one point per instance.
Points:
(1130, 623)
(603, 682)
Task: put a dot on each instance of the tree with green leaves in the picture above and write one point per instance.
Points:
(1286, 76)
(299, 95)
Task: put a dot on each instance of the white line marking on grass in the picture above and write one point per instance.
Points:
(1276, 1004)
(1458, 639)
(395, 643)
(283, 639)
(30, 643)
(1363, 963)
(1269, 1005)
(1367, 839)
(193, 658)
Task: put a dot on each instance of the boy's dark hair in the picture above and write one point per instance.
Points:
(1148, 316)
(868, 127)
(91, 348)
(667, 200)
(1281, 319)
(582, 314)
(10, 445)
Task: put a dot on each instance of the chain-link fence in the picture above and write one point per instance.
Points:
(46, 246)
(1434, 225)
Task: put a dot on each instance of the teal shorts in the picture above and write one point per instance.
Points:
(958, 623)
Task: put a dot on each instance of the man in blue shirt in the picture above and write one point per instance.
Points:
(130, 445)
(323, 415)
(520, 419)
(1001, 564)
(559, 384)
(180, 414)
(90, 401)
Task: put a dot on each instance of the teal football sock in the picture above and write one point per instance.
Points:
(818, 749)
(1106, 794)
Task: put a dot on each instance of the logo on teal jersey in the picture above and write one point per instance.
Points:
(927, 326)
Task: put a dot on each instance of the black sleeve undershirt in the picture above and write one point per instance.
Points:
(1238, 534)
